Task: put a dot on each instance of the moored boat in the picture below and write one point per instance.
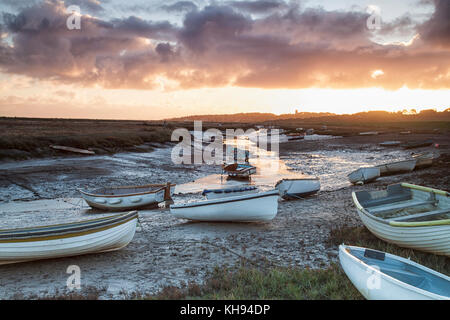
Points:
(239, 170)
(382, 276)
(390, 143)
(297, 188)
(229, 192)
(246, 208)
(424, 160)
(417, 144)
(127, 197)
(364, 175)
(397, 167)
(70, 239)
(407, 215)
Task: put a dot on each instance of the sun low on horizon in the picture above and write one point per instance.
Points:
(151, 60)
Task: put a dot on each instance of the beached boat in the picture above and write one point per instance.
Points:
(407, 215)
(127, 197)
(229, 192)
(297, 188)
(239, 170)
(382, 276)
(364, 175)
(417, 144)
(70, 149)
(246, 208)
(390, 143)
(423, 160)
(397, 167)
(63, 240)
(368, 133)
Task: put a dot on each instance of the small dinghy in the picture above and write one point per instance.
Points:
(417, 144)
(364, 175)
(382, 276)
(407, 215)
(297, 188)
(127, 197)
(229, 192)
(71, 239)
(397, 167)
(390, 143)
(246, 208)
(239, 170)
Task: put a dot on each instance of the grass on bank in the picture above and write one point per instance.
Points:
(249, 282)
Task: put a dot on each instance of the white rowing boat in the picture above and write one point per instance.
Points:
(246, 208)
(407, 215)
(297, 188)
(228, 192)
(390, 143)
(424, 160)
(382, 276)
(364, 175)
(63, 240)
(70, 149)
(127, 197)
(397, 167)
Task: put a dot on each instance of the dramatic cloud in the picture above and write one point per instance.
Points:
(222, 45)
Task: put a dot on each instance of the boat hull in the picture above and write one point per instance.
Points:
(123, 202)
(374, 284)
(70, 243)
(364, 175)
(294, 188)
(247, 208)
(397, 167)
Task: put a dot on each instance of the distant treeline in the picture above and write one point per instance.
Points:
(424, 115)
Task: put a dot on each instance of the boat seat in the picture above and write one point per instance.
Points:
(421, 215)
(398, 206)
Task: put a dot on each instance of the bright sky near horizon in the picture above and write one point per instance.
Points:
(160, 59)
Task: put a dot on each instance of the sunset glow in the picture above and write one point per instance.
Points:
(155, 60)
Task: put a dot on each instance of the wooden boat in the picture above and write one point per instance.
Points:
(246, 208)
(417, 144)
(70, 149)
(364, 175)
(127, 197)
(239, 170)
(228, 192)
(424, 160)
(382, 276)
(390, 143)
(297, 188)
(397, 167)
(63, 240)
(407, 215)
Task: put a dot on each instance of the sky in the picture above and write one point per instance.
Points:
(155, 59)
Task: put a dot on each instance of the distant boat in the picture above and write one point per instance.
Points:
(382, 276)
(368, 133)
(295, 136)
(70, 239)
(297, 188)
(405, 132)
(407, 215)
(390, 143)
(245, 208)
(70, 149)
(424, 160)
(364, 175)
(417, 144)
(127, 197)
(397, 167)
(239, 170)
(228, 192)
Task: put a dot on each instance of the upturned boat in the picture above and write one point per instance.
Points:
(382, 276)
(70, 239)
(127, 197)
(245, 208)
(297, 188)
(407, 215)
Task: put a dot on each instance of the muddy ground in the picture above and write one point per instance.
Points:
(168, 251)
